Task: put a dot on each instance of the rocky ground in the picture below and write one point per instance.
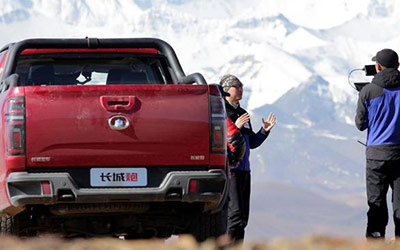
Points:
(188, 243)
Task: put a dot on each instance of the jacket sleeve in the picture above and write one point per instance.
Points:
(256, 139)
(362, 112)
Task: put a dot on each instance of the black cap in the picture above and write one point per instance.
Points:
(387, 58)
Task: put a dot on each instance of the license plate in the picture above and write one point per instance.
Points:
(118, 177)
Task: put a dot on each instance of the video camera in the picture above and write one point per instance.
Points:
(369, 71)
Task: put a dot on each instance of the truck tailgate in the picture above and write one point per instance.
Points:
(73, 126)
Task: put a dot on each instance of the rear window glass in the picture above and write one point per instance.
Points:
(92, 69)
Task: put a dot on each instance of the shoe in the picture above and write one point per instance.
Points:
(375, 235)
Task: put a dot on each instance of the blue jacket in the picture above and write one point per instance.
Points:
(252, 140)
(378, 110)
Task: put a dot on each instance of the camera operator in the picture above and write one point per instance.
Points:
(378, 110)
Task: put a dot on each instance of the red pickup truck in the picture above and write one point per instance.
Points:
(109, 137)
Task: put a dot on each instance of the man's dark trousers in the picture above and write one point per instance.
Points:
(380, 175)
(239, 204)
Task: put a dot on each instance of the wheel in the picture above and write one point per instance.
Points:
(207, 225)
(18, 225)
(7, 225)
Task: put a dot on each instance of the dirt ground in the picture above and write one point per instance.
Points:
(188, 243)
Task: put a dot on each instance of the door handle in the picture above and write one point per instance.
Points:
(118, 103)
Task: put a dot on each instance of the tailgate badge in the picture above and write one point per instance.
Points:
(118, 122)
(197, 157)
(40, 159)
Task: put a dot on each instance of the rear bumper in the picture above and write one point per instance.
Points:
(59, 188)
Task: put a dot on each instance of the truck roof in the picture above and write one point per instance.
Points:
(139, 45)
(98, 50)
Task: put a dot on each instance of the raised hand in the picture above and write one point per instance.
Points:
(243, 119)
(269, 123)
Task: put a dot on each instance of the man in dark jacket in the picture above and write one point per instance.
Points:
(239, 191)
(378, 110)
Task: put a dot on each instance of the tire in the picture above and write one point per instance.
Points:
(207, 225)
(16, 225)
(7, 225)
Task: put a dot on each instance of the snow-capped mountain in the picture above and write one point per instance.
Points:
(292, 56)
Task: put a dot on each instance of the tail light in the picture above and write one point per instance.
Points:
(46, 187)
(218, 121)
(15, 126)
(192, 186)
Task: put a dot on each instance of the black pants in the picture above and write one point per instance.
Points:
(239, 204)
(380, 175)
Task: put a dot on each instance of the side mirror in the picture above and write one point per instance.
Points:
(9, 82)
